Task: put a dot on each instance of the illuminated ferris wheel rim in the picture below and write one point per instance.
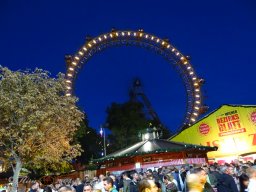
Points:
(113, 38)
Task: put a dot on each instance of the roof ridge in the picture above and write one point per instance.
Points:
(141, 145)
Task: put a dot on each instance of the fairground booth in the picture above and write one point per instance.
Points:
(232, 128)
(153, 153)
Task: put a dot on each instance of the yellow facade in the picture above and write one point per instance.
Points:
(231, 128)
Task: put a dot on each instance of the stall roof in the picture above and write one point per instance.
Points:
(154, 146)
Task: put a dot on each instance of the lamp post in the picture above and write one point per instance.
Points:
(102, 133)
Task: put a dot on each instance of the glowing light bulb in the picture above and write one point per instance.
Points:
(105, 36)
(68, 94)
(191, 73)
(134, 34)
(197, 90)
(84, 48)
(198, 102)
(69, 74)
(99, 38)
(168, 46)
(80, 53)
(94, 41)
(111, 35)
(177, 53)
(182, 58)
(189, 67)
(152, 38)
(185, 62)
(129, 33)
(68, 81)
(141, 34)
(122, 33)
(163, 43)
(195, 114)
(74, 63)
(173, 49)
(192, 119)
(71, 69)
(146, 136)
(117, 34)
(197, 96)
(197, 108)
(68, 87)
(146, 36)
(76, 57)
(89, 45)
(157, 40)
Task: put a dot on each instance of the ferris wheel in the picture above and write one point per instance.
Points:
(194, 102)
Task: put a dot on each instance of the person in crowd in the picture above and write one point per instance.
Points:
(79, 185)
(156, 177)
(160, 172)
(252, 182)
(172, 179)
(95, 181)
(183, 173)
(126, 182)
(243, 170)
(121, 183)
(193, 183)
(55, 186)
(149, 174)
(101, 178)
(200, 172)
(159, 182)
(134, 182)
(243, 183)
(87, 188)
(87, 179)
(115, 181)
(66, 189)
(147, 185)
(213, 171)
(210, 178)
(108, 184)
(35, 187)
(175, 173)
(142, 175)
(47, 189)
(170, 186)
(226, 182)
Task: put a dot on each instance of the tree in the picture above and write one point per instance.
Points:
(37, 120)
(125, 122)
(90, 142)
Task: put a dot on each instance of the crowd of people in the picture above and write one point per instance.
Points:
(234, 177)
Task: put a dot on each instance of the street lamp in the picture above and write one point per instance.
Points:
(102, 133)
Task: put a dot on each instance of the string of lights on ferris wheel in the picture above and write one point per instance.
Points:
(193, 83)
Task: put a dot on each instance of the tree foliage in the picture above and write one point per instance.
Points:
(90, 142)
(125, 122)
(37, 120)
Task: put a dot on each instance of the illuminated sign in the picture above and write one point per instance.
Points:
(231, 128)
(229, 124)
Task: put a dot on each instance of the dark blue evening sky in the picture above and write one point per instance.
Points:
(220, 37)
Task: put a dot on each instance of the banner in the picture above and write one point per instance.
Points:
(231, 128)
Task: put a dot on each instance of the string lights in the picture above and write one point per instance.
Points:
(130, 36)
